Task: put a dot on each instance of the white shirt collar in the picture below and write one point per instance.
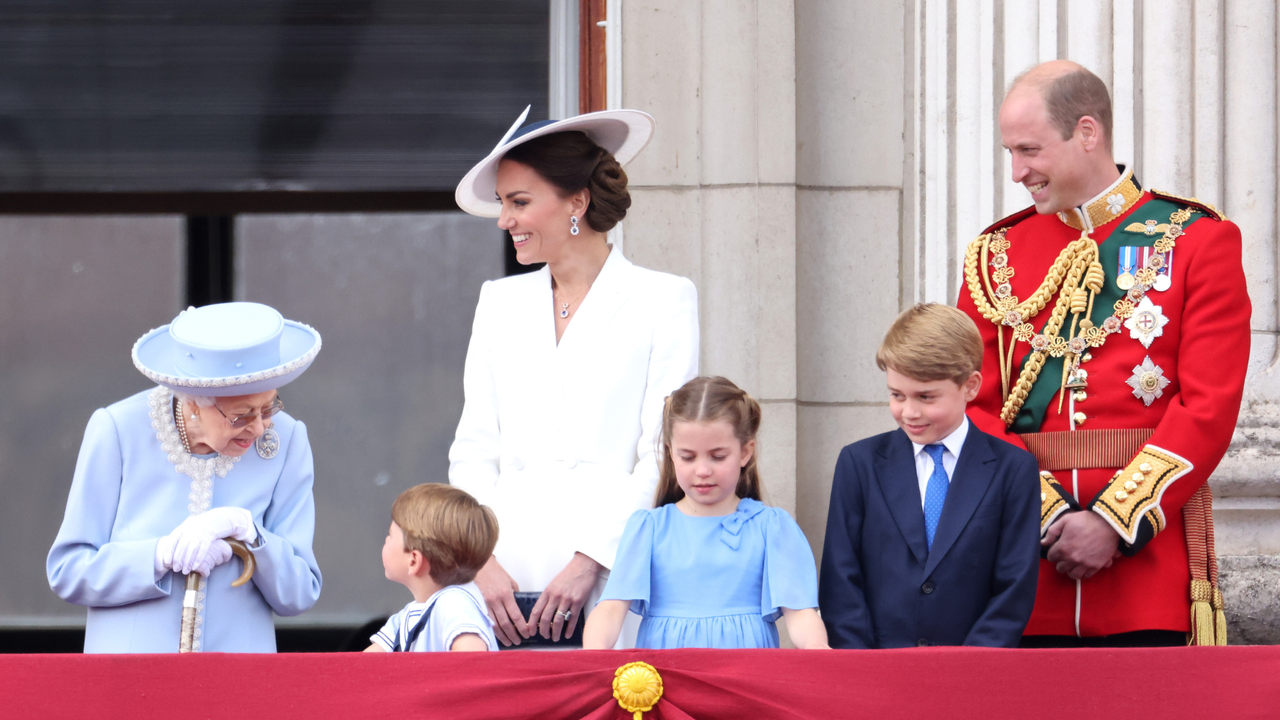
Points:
(952, 442)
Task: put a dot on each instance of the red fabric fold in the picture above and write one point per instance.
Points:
(1234, 682)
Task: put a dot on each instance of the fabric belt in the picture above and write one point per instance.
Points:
(1080, 449)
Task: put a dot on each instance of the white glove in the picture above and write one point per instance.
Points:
(219, 552)
(197, 533)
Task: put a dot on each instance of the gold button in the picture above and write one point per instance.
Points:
(1145, 467)
(1081, 396)
(1087, 356)
(1117, 475)
(1131, 486)
(1042, 497)
(1139, 477)
(1079, 418)
(1122, 496)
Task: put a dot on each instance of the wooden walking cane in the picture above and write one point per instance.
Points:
(188, 637)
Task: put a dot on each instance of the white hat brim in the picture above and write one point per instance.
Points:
(156, 355)
(622, 132)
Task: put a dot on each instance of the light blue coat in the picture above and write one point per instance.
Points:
(126, 495)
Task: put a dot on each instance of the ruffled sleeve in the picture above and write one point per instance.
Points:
(790, 572)
(629, 579)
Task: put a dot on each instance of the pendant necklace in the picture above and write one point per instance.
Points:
(564, 306)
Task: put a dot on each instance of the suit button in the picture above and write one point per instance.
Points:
(926, 588)
(922, 642)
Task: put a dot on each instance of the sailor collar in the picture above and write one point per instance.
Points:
(1106, 206)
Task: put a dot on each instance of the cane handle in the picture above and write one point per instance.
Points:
(239, 549)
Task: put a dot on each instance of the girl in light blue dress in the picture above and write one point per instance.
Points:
(710, 566)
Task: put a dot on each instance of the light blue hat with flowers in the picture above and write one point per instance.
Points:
(228, 349)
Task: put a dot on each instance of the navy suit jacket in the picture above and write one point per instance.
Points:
(881, 586)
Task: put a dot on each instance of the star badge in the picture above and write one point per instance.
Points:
(1148, 381)
(1147, 322)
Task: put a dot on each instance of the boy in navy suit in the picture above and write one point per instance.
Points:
(933, 536)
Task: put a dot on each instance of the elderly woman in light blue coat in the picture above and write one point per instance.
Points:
(166, 476)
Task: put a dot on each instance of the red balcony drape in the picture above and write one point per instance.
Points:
(953, 683)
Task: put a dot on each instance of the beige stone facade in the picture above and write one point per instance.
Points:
(820, 164)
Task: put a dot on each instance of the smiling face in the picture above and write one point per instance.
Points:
(211, 432)
(708, 460)
(536, 214)
(928, 411)
(1059, 174)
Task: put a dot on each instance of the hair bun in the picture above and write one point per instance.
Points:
(610, 198)
(572, 161)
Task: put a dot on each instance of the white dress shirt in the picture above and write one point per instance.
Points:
(950, 456)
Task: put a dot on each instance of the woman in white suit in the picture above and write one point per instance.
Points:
(567, 369)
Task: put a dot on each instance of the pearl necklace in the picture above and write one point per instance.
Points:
(182, 424)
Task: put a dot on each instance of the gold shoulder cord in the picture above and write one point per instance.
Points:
(1077, 277)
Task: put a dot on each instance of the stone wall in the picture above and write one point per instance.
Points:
(820, 165)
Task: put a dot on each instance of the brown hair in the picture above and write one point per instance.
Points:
(1070, 96)
(932, 342)
(709, 399)
(572, 161)
(453, 532)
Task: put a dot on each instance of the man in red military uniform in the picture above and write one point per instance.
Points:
(1116, 324)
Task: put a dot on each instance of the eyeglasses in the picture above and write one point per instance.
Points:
(240, 421)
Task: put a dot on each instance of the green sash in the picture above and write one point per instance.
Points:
(1046, 386)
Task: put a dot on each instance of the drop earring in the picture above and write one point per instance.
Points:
(573, 228)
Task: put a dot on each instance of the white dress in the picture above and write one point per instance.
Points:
(560, 439)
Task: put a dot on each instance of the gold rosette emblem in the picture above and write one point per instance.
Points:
(637, 686)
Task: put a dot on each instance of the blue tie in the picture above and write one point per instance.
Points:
(935, 493)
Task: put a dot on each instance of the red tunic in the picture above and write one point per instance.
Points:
(1203, 351)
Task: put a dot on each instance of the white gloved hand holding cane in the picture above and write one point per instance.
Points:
(194, 548)
(198, 545)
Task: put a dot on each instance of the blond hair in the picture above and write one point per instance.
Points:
(454, 532)
(932, 342)
(709, 399)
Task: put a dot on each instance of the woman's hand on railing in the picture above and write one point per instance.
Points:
(560, 605)
(509, 626)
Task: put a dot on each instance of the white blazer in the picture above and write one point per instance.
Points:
(560, 439)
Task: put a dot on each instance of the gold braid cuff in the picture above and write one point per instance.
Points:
(1134, 493)
(1054, 501)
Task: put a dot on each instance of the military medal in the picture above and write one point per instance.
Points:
(1148, 381)
(1128, 264)
(1151, 227)
(1147, 322)
(1164, 273)
(1078, 379)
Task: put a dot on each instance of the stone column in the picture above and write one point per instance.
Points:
(715, 195)
(851, 91)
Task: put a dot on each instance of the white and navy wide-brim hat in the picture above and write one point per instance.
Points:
(229, 349)
(622, 132)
